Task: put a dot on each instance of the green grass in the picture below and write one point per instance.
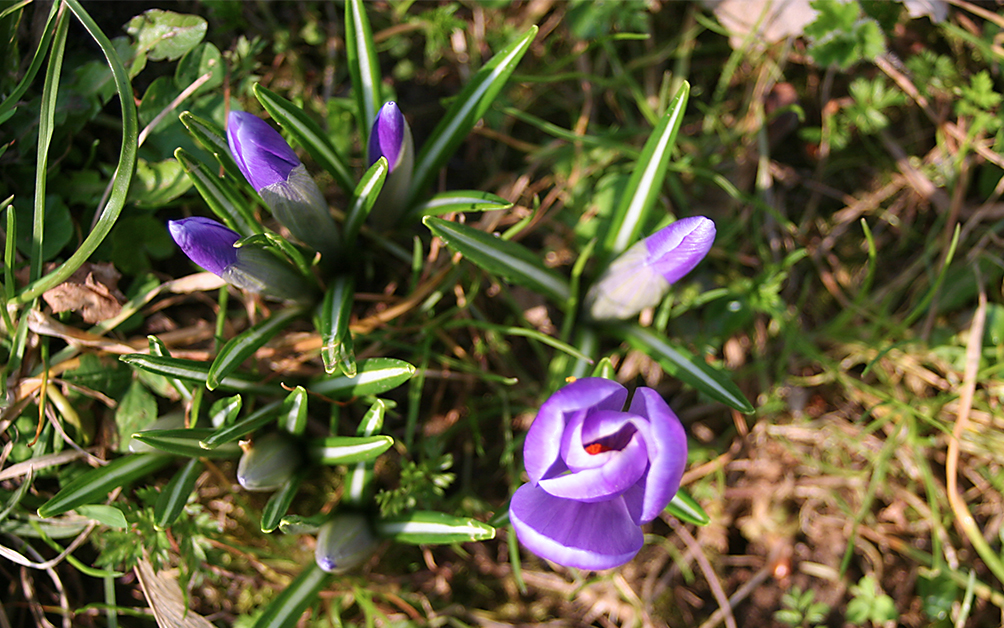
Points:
(853, 296)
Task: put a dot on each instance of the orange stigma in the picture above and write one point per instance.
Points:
(596, 448)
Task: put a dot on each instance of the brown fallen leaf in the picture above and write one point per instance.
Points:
(92, 291)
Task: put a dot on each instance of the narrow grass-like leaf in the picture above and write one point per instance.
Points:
(693, 371)
(432, 528)
(525, 333)
(157, 347)
(185, 442)
(212, 138)
(220, 195)
(94, 485)
(294, 411)
(461, 201)
(243, 345)
(172, 499)
(337, 351)
(375, 376)
(307, 133)
(123, 171)
(287, 607)
(364, 197)
(256, 420)
(509, 260)
(372, 421)
(194, 371)
(224, 411)
(14, 97)
(348, 449)
(685, 508)
(280, 246)
(46, 124)
(105, 515)
(605, 369)
(646, 181)
(363, 66)
(466, 110)
(278, 504)
(359, 483)
(298, 524)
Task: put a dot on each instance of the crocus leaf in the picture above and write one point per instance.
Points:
(365, 196)
(279, 503)
(605, 369)
(211, 137)
(359, 483)
(224, 411)
(461, 201)
(105, 515)
(333, 324)
(194, 371)
(185, 442)
(372, 421)
(243, 345)
(374, 376)
(93, 486)
(157, 347)
(432, 528)
(173, 497)
(220, 195)
(307, 133)
(363, 66)
(298, 524)
(694, 371)
(466, 110)
(646, 181)
(685, 508)
(348, 449)
(294, 411)
(509, 260)
(279, 245)
(287, 607)
(256, 420)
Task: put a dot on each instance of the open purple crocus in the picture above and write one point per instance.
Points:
(641, 276)
(210, 244)
(597, 473)
(282, 181)
(391, 138)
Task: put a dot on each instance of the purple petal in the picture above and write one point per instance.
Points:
(676, 249)
(600, 426)
(542, 448)
(260, 152)
(667, 453)
(574, 534)
(206, 242)
(629, 285)
(387, 137)
(621, 470)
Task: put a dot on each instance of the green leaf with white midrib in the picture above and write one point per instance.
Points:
(348, 449)
(185, 442)
(364, 197)
(363, 66)
(469, 106)
(336, 339)
(279, 503)
(647, 179)
(507, 259)
(243, 345)
(307, 133)
(374, 376)
(461, 201)
(192, 370)
(258, 419)
(212, 138)
(699, 375)
(685, 508)
(93, 486)
(172, 499)
(222, 199)
(294, 408)
(285, 610)
(426, 527)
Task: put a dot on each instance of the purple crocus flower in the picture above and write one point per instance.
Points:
(211, 245)
(391, 138)
(282, 181)
(641, 276)
(597, 473)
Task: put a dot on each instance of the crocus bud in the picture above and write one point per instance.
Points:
(344, 542)
(211, 245)
(274, 170)
(641, 276)
(391, 138)
(269, 462)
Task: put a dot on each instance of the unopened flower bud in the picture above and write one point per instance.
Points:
(269, 462)
(344, 542)
(274, 170)
(390, 137)
(641, 276)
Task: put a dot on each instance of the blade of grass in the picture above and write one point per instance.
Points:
(363, 66)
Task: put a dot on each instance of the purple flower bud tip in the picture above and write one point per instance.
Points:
(597, 472)
(206, 242)
(678, 248)
(260, 152)
(387, 137)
